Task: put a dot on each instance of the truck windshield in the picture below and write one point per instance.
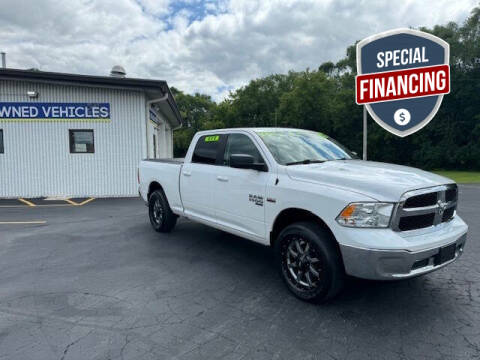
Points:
(291, 147)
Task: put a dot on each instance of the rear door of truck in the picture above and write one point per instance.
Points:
(198, 177)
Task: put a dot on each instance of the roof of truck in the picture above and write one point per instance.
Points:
(254, 129)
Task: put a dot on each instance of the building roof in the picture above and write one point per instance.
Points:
(153, 88)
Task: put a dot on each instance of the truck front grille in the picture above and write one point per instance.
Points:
(448, 214)
(416, 222)
(425, 207)
(421, 200)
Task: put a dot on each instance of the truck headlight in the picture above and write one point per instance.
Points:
(366, 215)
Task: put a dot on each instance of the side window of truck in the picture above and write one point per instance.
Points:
(206, 149)
(240, 144)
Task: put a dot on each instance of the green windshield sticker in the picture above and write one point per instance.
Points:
(212, 138)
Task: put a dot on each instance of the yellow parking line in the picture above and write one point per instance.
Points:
(86, 201)
(41, 205)
(21, 222)
(26, 202)
(29, 203)
(51, 205)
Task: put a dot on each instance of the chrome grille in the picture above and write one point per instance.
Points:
(423, 208)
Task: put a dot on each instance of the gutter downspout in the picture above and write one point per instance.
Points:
(179, 126)
(147, 116)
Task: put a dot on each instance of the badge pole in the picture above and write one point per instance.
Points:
(364, 132)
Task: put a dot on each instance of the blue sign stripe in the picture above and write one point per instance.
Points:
(154, 117)
(30, 110)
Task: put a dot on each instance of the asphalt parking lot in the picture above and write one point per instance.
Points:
(96, 282)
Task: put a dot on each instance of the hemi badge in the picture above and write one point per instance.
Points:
(271, 200)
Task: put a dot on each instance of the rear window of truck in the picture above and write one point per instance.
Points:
(207, 148)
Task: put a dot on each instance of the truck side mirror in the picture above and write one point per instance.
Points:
(245, 161)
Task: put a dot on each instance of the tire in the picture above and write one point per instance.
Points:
(161, 216)
(316, 273)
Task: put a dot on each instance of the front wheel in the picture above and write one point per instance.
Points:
(161, 216)
(309, 262)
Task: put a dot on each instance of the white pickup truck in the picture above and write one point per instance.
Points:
(326, 213)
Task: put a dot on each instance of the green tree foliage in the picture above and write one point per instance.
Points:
(324, 100)
(196, 111)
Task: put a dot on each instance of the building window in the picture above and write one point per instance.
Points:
(1, 142)
(154, 147)
(81, 141)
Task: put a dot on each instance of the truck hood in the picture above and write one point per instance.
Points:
(380, 181)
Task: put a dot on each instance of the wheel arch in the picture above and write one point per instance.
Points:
(154, 185)
(292, 215)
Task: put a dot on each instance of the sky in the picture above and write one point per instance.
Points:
(211, 47)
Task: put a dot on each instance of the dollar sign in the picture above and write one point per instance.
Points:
(402, 117)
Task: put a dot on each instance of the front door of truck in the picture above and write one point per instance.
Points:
(239, 194)
(198, 177)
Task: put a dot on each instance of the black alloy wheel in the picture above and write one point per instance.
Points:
(301, 263)
(157, 212)
(161, 216)
(309, 261)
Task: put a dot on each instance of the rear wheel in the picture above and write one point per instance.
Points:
(161, 216)
(309, 262)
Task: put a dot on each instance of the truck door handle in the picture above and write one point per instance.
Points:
(187, 173)
(222, 178)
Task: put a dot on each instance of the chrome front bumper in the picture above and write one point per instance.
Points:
(376, 264)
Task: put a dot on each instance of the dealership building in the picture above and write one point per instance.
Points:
(76, 135)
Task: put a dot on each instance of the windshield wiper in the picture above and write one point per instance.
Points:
(306, 161)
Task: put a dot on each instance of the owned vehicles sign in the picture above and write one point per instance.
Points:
(32, 111)
(402, 77)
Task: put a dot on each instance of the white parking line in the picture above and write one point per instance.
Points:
(22, 222)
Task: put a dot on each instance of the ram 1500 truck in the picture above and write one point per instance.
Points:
(326, 213)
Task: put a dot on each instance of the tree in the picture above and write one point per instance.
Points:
(324, 100)
(196, 111)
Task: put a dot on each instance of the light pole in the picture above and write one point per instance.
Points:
(364, 132)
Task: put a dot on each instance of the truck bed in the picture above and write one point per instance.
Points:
(167, 161)
(165, 172)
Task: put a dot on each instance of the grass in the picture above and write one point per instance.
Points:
(461, 177)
